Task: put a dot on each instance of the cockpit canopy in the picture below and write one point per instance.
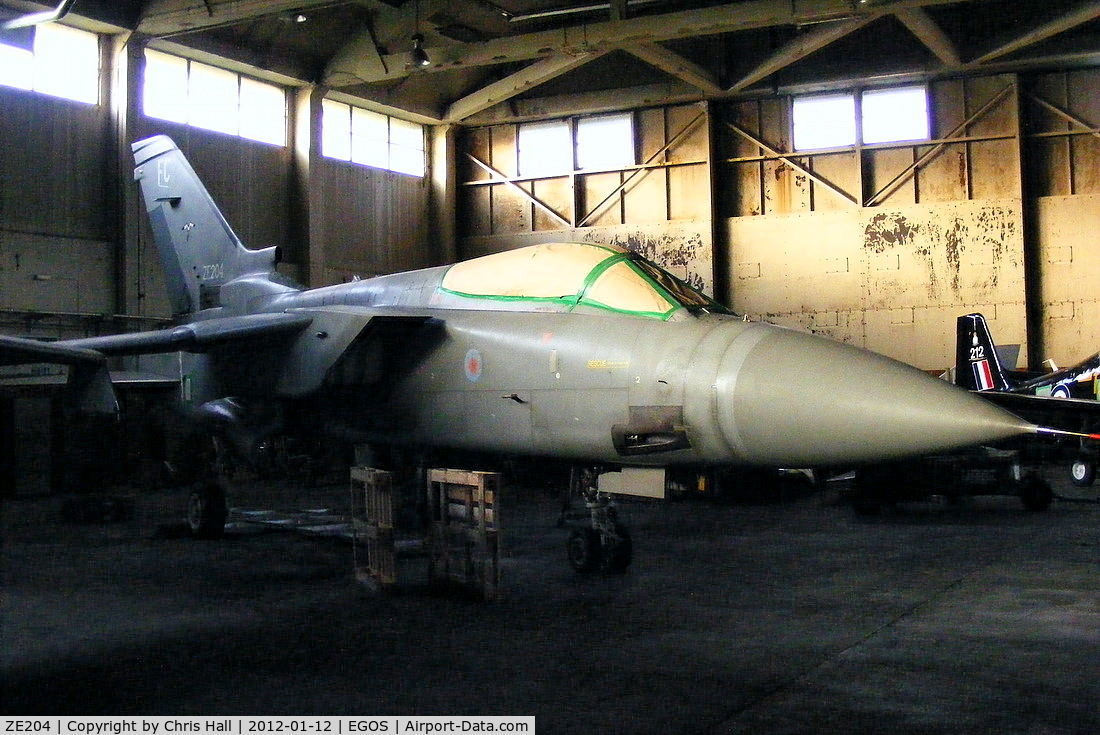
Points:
(565, 276)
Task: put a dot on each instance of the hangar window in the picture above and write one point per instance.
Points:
(371, 139)
(185, 91)
(824, 121)
(895, 114)
(605, 142)
(601, 142)
(885, 115)
(52, 59)
(545, 148)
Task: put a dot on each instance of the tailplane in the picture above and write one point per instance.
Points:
(977, 364)
(202, 257)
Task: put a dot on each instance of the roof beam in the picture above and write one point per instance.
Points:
(514, 84)
(1083, 14)
(802, 47)
(672, 63)
(931, 35)
(163, 18)
(524, 109)
(354, 64)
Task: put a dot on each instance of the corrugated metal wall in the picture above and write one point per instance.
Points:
(57, 230)
(372, 222)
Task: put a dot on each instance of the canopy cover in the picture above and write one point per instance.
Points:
(573, 274)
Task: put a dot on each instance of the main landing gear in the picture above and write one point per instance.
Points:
(598, 540)
(1082, 470)
(207, 511)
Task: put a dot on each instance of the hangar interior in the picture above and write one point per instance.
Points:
(866, 170)
(670, 128)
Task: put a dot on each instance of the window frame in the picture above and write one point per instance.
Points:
(38, 61)
(567, 135)
(197, 108)
(594, 121)
(373, 139)
(925, 132)
(817, 141)
(536, 135)
(857, 134)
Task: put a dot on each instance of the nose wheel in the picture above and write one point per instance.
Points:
(583, 549)
(598, 540)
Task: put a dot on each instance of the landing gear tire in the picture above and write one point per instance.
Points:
(1035, 493)
(583, 550)
(617, 558)
(206, 512)
(1082, 472)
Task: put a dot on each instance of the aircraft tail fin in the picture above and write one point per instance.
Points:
(198, 249)
(977, 364)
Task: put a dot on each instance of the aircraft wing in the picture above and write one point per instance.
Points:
(20, 351)
(344, 346)
(89, 382)
(196, 336)
(1068, 414)
(193, 337)
(350, 346)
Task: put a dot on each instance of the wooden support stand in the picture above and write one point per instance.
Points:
(464, 540)
(374, 550)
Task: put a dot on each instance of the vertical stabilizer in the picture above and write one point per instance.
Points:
(198, 250)
(977, 364)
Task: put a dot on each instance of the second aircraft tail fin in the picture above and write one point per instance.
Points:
(977, 364)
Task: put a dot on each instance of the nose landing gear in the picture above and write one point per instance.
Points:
(598, 540)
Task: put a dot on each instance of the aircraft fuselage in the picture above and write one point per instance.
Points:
(596, 386)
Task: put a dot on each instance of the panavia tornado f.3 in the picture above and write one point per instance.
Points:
(583, 352)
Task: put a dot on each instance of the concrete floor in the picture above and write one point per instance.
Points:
(792, 617)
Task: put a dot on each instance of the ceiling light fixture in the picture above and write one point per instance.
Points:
(419, 55)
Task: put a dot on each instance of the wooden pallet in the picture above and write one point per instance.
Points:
(375, 553)
(464, 530)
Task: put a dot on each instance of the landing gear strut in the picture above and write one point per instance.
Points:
(598, 539)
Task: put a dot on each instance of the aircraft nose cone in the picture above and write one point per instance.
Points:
(797, 400)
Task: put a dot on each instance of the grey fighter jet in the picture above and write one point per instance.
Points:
(583, 352)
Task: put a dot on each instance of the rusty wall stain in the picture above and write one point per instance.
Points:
(943, 241)
(887, 230)
(675, 252)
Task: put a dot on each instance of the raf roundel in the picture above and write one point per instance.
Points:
(472, 365)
